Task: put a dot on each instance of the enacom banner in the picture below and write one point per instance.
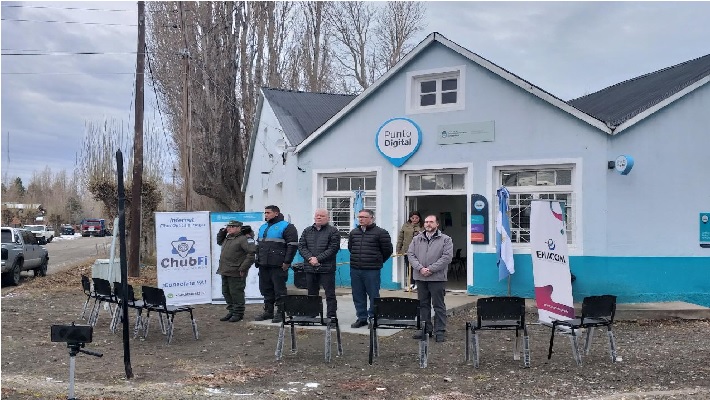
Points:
(550, 258)
(183, 250)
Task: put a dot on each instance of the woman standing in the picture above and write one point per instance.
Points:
(410, 229)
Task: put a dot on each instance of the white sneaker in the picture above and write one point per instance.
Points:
(413, 288)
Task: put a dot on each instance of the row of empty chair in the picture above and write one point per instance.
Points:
(153, 300)
(493, 314)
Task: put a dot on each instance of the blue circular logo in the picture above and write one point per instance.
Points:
(478, 205)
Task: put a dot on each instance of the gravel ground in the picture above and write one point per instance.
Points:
(659, 359)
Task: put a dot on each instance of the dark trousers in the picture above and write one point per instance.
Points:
(314, 281)
(272, 283)
(233, 292)
(365, 283)
(432, 293)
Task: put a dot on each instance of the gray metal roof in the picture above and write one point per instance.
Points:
(301, 113)
(618, 103)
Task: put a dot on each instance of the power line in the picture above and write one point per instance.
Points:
(62, 53)
(157, 100)
(66, 22)
(68, 73)
(62, 8)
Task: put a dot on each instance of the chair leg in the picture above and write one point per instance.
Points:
(423, 350)
(337, 336)
(575, 347)
(139, 323)
(423, 353)
(95, 313)
(526, 348)
(294, 348)
(376, 343)
(516, 346)
(476, 349)
(146, 325)
(86, 306)
(612, 344)
(170, 322)
(588, 340)
(195, 331)
(552, 341)
(163, 324)
(467, 344)
(115, 318)
(280, 342)
(327, 342)
(371, 351)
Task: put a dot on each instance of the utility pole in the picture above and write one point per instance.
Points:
(137, 188)
(187, 149)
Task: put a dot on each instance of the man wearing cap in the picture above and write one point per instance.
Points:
(277, 244)
(237, 256)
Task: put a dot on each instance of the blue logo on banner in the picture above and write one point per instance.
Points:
(398, 139)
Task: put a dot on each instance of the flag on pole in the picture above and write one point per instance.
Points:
(358, 205)
(504, 247)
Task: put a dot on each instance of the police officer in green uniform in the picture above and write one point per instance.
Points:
(237, 256)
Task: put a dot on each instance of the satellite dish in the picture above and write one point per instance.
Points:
(280, 146)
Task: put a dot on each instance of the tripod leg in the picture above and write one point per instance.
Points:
(71, 377)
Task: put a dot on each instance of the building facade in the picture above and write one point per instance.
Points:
(446, 124)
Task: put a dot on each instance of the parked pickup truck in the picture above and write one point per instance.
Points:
(21, 252)
(43, 233)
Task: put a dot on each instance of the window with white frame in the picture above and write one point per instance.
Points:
(436, 90)
(339, 197)
(527, 184)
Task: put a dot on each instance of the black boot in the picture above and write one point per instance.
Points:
(427, 331)
(278, 316)
(267, 314)
(236, 318)
(226, 317)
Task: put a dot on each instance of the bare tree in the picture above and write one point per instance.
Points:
(351, 22)
(398, 22)
(315, 50)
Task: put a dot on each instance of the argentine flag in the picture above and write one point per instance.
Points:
(504, 247)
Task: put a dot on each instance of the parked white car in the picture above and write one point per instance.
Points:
(21, 252)
(42, 232)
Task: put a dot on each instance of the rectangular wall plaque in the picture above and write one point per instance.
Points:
(471, 132)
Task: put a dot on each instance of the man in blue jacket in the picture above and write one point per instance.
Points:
(370, 246)
(277, 243)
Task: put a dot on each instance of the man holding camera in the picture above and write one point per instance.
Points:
(237, 256)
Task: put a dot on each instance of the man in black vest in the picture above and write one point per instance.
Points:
(277, 243)
(319, 244)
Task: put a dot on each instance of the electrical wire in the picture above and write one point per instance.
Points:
(66, 22)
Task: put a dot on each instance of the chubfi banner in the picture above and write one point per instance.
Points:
(548, 249)
(183, 252)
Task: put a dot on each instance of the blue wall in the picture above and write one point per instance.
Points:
(631, 279)
(342, 274)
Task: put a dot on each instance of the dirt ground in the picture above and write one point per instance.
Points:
(659, 359)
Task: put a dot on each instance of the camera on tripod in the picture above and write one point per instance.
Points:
(72, 334)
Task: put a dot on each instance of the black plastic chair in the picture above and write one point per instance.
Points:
(104, 294)
(90, 294)
(498, 313)
(457, 267)
(397, 313)
(131, 302)
(597, 311)
(154, 300)
(306, 310)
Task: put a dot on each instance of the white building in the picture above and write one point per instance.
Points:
(634, 235)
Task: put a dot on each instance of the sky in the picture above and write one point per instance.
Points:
(566, 48)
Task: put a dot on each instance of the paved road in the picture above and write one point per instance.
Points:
(64, 253)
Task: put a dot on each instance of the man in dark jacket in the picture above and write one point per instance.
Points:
(235, 259)
(277, 243)
(370, 246)
(319, 244)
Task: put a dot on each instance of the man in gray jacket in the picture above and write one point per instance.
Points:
(430, 255)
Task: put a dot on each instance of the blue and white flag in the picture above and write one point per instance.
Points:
(358, 205)
(504, 247)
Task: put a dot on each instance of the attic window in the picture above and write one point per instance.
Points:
(436, 90)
